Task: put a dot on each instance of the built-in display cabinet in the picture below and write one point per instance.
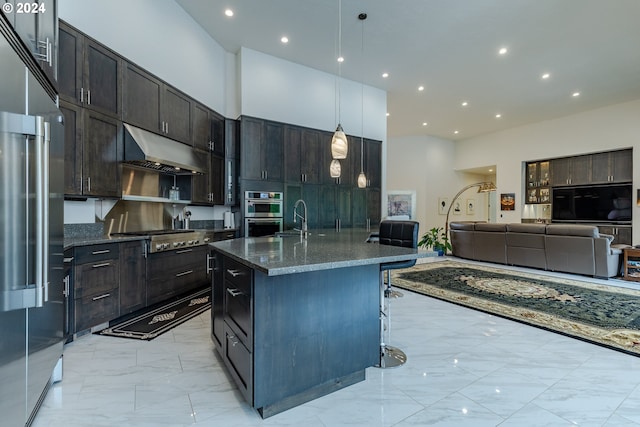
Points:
(608, 169)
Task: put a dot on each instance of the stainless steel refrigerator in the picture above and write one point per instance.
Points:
(31, 232)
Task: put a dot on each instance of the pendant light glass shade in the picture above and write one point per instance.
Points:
(335, 169)
(339, 144)
(362, 180)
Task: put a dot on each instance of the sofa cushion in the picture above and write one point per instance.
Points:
(490, 226)
(465, 225)
(573, 230)
(527, 228)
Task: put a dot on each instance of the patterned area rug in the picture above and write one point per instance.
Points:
(606, 315)
(151, 324)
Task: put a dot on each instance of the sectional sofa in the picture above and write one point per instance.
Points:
(569, 248)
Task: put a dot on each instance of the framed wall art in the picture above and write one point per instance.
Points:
(471, 206)
(443, 205)
(508, 201)
(401, 203)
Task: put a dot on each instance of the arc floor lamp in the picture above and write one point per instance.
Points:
(483, 187)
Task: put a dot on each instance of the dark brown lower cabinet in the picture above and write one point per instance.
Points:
(133, 276)
(172, 273)
(96, 285)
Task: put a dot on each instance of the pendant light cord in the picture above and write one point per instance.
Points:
(362, 103)
(339, 61)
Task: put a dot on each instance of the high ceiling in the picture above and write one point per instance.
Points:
(450, 47)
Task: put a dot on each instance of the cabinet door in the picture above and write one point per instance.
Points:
(231, 141)
(217, 181)
(69, 64)
(374, 207)
(217, 134)
(72, 148)
(311, 196)
(217, 298)
(580, 170)
(359, 209)
(600, 168)
(560, 172)
(621, 166)
(272, 155)
(47, 34)
(373, 158)
(311, 156)
(102, 152)
(343, 206)
(133, 280)
(292, 192)
(251, 142)
(201, 127)
(292, 154)
(102, 79)
(327, 206)
(141, 99)
(176, 115)
(200, 188)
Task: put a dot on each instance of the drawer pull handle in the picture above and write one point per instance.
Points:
(184, 251)
(100, 297)
(104, 264)
(184, 273)
(106, 251)
(234, 292)
(233, 340)
(235, 273)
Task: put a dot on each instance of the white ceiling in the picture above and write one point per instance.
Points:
(450, 47)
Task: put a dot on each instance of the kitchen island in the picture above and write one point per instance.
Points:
(295, 319)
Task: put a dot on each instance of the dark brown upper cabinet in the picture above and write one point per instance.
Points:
(90, 74)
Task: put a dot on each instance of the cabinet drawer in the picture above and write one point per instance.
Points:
(95, 278)
(95, 253)
(239, 362)
(175, 283)
(237, 311)
(238, 274)
(93, 310)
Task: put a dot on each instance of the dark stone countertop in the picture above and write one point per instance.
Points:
(323, 250)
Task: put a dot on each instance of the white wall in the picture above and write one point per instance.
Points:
(425, 164)
(280, 90)
(159, 36)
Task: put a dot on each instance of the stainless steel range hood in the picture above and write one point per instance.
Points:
(146, 149)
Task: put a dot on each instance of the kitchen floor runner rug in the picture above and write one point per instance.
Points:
(602, 314)
(154, 323)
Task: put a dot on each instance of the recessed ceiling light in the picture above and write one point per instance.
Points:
(284, 39)
(490, 170)
(503, 51)
(456, 132)
(388, 114)
(465, 103)
(420, 88)
(341, 59)
(385, 75)
(575, 94)
(424, 123)
(498, 115)
(545, 76)
(229, 13)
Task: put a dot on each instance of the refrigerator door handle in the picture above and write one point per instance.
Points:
(42, 194)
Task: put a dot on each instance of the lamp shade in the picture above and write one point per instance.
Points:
(362, 180)
(487, 187)
(339, 144)
(335, 169)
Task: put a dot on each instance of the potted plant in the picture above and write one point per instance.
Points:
(436, 239)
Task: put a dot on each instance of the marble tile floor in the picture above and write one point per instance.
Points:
(464, 368)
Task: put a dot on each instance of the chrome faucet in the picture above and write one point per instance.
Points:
(296, 215)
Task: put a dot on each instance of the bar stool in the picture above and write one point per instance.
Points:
(394, 233)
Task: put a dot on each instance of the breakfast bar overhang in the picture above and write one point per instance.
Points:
(295, 319)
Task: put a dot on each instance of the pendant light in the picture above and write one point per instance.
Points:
(339, 144)
(362, 178)
(335, 169)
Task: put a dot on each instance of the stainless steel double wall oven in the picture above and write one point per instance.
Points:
(262, 213)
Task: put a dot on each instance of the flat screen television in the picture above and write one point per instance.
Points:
(605, 203)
